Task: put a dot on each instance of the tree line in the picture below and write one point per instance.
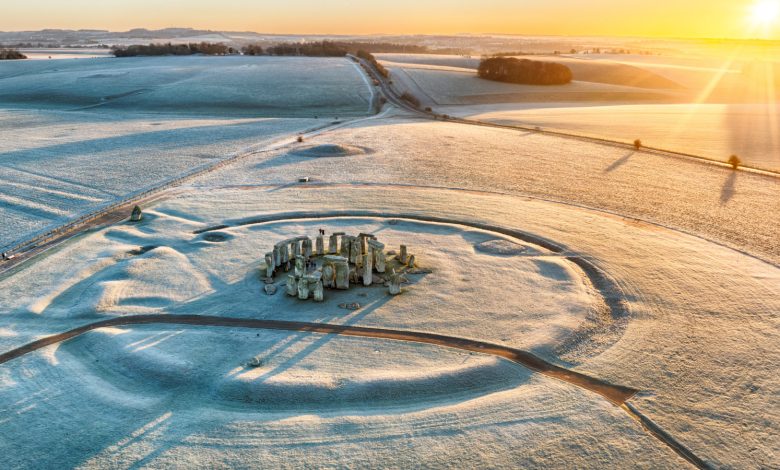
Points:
(331, 48)
(524, 71)
(153, 49)
(368, 57)
(309, 49)
(11, 54)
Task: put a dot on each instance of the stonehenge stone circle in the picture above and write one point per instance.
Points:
(348, 260)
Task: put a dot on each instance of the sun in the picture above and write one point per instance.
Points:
(766, 12)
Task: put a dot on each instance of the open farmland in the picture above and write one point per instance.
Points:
(714, 131)
(569, 303)
(193, 85)
(672, 106)
(78, 134)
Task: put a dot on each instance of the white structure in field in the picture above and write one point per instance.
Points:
(349, 259)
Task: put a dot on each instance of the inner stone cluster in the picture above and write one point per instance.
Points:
(349, 260)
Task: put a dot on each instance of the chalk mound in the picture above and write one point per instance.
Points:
(159, 277)
(500, 247)
(329, 151)
(217, 237)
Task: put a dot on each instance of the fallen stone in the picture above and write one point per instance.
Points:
(350, 306)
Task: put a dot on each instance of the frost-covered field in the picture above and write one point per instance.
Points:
(58, 165)
(738, 117)
(701, 199)
(699, 340)
(192, 85)
(715, 131)
(77, 134)
(445, 86)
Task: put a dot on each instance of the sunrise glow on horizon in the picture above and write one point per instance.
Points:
(684, 19)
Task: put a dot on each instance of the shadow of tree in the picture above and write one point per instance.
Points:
(729, 188)
(619, 162)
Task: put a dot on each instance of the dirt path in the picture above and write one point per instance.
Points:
(616, 394)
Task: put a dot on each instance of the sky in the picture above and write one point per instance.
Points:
(647, 18)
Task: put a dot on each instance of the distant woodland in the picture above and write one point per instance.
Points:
(524, 71)
(11, 54)
(332, 48)
(204, 48)
(308, 49)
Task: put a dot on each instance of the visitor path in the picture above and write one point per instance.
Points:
(614, 393)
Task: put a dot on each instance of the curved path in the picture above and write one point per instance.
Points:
(604, 284)
(616, 394)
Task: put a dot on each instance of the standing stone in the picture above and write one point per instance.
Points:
(346, 249)
(295, 248)
(354, 251)
(379, 255)
(292, 286)
(300, 266)
(329, 275)
(136, 215)
(303, 288)
(284, 251)
(412, 261)
(333, 244)
(403, 257)
(341, 268)
(277, 255)
(319, 248)
(307, 247)
(368, 268)
(269, 265)
(394, 279)
(319, 292)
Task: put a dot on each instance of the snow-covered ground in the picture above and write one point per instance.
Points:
(715, 131)
(712, 113)
(74, 135)
(693, 249)
(58, 165)
(738, 209)
(182, 397)
(700, 340)
(192, 85)
(65, 53)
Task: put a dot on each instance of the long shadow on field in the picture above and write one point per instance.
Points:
(317, 344)
(619, 162)
(729, 188)
(171, 139)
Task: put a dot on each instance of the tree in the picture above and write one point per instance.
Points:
(253, 49)
(734, 161)
(11, 54)
(524, 71)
